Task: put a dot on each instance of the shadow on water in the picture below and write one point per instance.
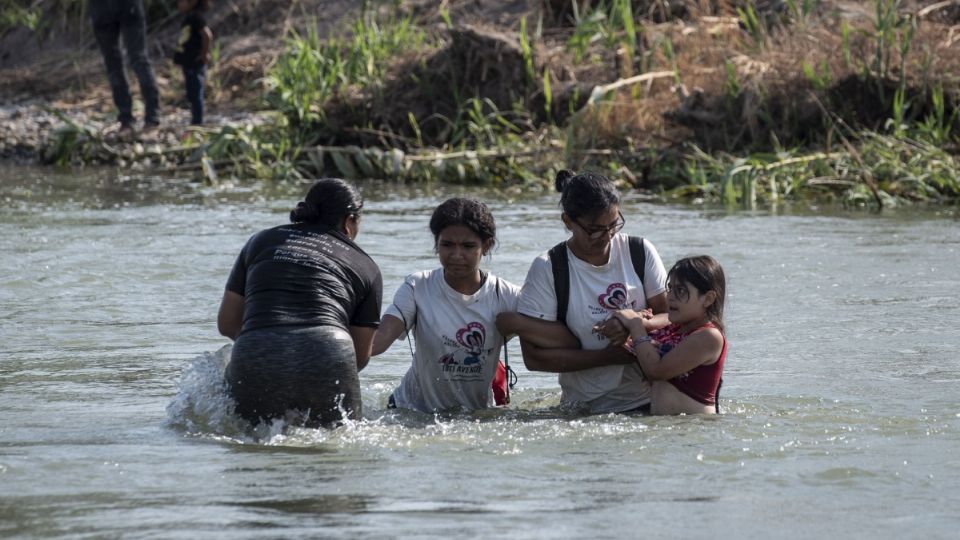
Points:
(322, 504)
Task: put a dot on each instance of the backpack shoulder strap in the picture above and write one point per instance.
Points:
(638, 256)
(561, 278)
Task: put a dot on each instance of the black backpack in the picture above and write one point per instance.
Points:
(561, 271)
(561, 281)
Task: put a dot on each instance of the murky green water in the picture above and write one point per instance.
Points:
(840, 390)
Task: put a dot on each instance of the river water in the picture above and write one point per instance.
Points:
(840, 395)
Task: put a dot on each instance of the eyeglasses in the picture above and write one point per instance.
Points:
(595, 233)
(679, 291)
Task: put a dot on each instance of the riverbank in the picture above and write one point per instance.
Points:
(733, 101)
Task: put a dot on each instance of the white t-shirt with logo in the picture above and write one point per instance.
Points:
(595, 292)
(457, 342)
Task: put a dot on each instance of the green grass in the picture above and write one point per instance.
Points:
(610, 24)
(311, 70)
(902, 168)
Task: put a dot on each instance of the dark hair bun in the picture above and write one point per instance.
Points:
(329, 201)
(562, 179)
(304, 213)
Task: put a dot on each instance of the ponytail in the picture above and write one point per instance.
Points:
(585, 193)
(328, 202)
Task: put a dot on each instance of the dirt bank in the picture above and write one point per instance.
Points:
(726, 76)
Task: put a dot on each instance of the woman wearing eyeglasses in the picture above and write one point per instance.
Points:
(303, 304)
(602, 276)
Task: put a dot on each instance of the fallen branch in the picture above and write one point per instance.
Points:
(600, 91)
(830, 181)
(936, 7)
(801, 159)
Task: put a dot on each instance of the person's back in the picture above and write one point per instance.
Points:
(302, 275)
(302, 304)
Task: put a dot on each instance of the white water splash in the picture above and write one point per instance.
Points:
(203, 405)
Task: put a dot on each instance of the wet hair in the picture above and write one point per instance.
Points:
(470, 213)
(706, 274)
(328, 202)
(585, 193)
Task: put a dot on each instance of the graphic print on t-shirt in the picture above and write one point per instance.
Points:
(615, 297)
(472, 338)
(307, 248)
(465, 363)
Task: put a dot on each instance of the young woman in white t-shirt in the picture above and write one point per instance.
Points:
(452, 311)
(585, 349)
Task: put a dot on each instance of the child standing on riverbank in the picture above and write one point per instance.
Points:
(193, 53)
(684, 359)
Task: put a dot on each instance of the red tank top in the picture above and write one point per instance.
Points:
(700, 383)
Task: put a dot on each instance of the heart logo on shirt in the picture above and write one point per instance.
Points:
(472, 337)
(615, 297)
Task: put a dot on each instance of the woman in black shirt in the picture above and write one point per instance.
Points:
(303, 304)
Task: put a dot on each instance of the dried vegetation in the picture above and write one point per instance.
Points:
(735, 100)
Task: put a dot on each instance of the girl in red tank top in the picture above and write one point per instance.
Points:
(685, 359)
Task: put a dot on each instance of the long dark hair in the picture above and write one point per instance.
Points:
(585, 193)
(328, 202)
(470, 213)
(706, 274)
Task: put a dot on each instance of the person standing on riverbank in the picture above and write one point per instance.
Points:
(565, 317)
(452, 311)
(193, 53)
(302, 304)
(111, 19)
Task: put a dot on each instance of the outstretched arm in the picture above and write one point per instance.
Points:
(564, 360)
(545, 334)
(550, 346)
(390, 329)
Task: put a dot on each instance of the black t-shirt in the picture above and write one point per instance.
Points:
(190, 44)
(306, 275)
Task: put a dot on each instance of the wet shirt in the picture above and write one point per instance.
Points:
(190, 44)
(306, 275)
(457, 342)
(595, 293)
